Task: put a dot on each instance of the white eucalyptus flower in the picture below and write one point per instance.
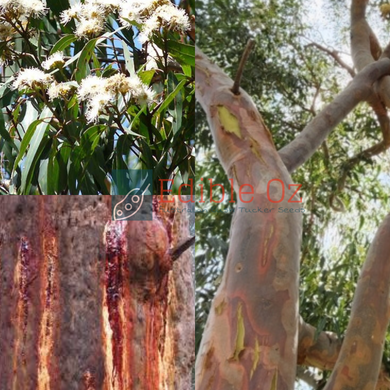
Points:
(36, 8)
(175, 18)
(168, 16)
(92, 11)
(32, 78)
(97, 106)
(54, 61)
(23, 9)
(60, 90)
(118, 83)
(91, 86)
(140, 92)
(108, 6)
(138, 10)
(74, 12)
(89, 27)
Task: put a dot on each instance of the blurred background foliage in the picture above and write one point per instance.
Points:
(290, 80)
(49, 147)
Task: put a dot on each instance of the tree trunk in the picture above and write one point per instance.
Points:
(250, 339)
(88, 303)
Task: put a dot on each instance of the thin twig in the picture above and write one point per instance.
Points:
(335, 55)
(181, 248)
(244, 58)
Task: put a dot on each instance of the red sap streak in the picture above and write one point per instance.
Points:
(114, 270)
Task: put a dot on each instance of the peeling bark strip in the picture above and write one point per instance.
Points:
(85, 300)
(251, 334)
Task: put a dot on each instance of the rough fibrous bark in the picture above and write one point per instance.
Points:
(88, 303)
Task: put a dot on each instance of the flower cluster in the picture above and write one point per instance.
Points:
(89, 16)
(61, 90)
(101, 92)
(19, 10)
(54, 61)
(98, 92)
(150, 14)
(167, 16)
(14, 14)
(32, 78)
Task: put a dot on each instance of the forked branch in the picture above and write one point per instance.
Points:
(310, 139)
(321, 350)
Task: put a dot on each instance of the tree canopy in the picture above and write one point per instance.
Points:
(299, 65)
(92, 87)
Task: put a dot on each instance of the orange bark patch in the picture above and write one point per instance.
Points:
(345, 372)
(208, 362)
(268, 243)
(49, 295)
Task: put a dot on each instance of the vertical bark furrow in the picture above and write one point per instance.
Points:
(112, 298)
(80, 222)
(49, 294)
(113, 305)
(25, 317)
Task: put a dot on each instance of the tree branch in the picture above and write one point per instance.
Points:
(335, 55)
(359, 361)
(321, 350)
(307, 142)
(365, 47)
(366, 50)
(181, 248)
(240, 70)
